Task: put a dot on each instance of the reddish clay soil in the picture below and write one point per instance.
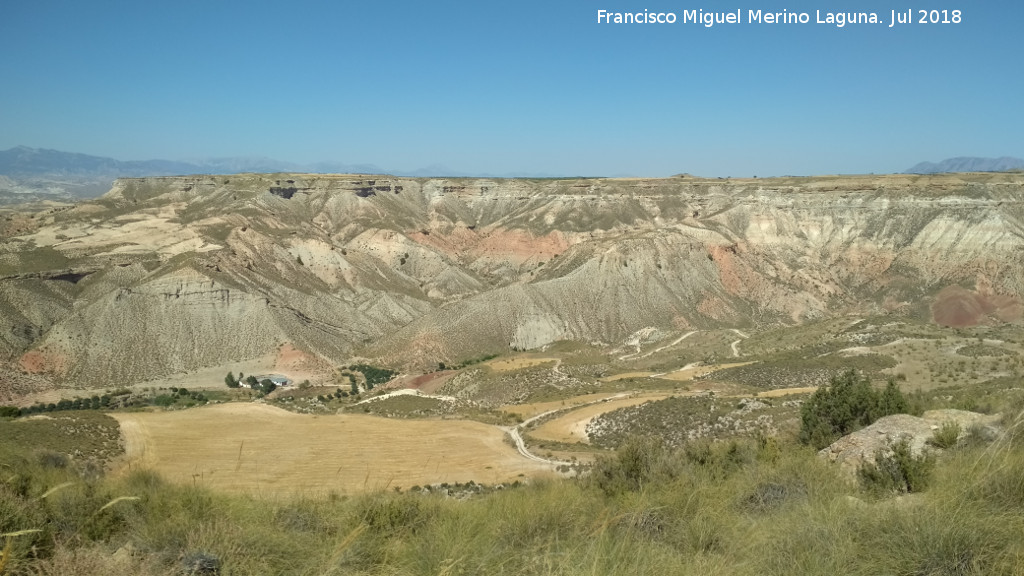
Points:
(431, 383)
(515, 246)
(959, 307)
(291, 359)
(43, 360)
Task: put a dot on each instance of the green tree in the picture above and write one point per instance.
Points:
(231, 381)
(892, 400)
(847, 404)
(267, 386)
(251, 381)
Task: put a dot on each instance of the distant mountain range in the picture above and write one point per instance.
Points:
(34, 174)
(25, 162)
(968, 164)
(37, 174)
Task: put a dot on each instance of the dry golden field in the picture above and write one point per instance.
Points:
(266, 450)
(516, 363)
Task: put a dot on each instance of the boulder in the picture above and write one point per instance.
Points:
(853, 449)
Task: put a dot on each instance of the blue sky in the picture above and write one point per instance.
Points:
(511, 87)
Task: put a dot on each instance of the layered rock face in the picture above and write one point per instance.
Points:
(164, 275)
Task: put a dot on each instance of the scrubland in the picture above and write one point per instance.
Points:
(748, 506)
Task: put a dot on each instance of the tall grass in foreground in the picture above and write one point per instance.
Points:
(728, 508)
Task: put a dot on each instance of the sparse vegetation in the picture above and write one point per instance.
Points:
(704, 508)
(677, 421)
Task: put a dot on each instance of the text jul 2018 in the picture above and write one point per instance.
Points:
(837, 19)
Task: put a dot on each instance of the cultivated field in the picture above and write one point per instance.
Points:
(262, 449)
(517, 363)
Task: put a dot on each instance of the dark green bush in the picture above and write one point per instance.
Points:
(163, 400)
(847, 404)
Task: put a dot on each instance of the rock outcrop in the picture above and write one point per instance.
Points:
(852, 450)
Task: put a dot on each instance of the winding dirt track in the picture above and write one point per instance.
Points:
(262, 449)
(572, 427)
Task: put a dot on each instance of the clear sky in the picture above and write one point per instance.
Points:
(512, 87)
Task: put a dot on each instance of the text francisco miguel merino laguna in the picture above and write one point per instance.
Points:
(838, 19)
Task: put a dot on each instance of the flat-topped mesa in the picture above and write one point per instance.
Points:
(967, 185)
(413, 271)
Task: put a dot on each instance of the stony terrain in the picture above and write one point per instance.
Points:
(854, 449)
(164, 276)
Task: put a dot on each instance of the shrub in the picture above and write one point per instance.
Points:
(200, 564)
(947, 435)
(49, 459)
(768, 496)
(847, 404)
(897, 469)
(393, 514)
(638, 462)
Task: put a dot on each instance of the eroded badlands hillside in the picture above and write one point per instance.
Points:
(166, 275)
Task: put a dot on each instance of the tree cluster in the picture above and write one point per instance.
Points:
(373, 375)
(849, 402)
